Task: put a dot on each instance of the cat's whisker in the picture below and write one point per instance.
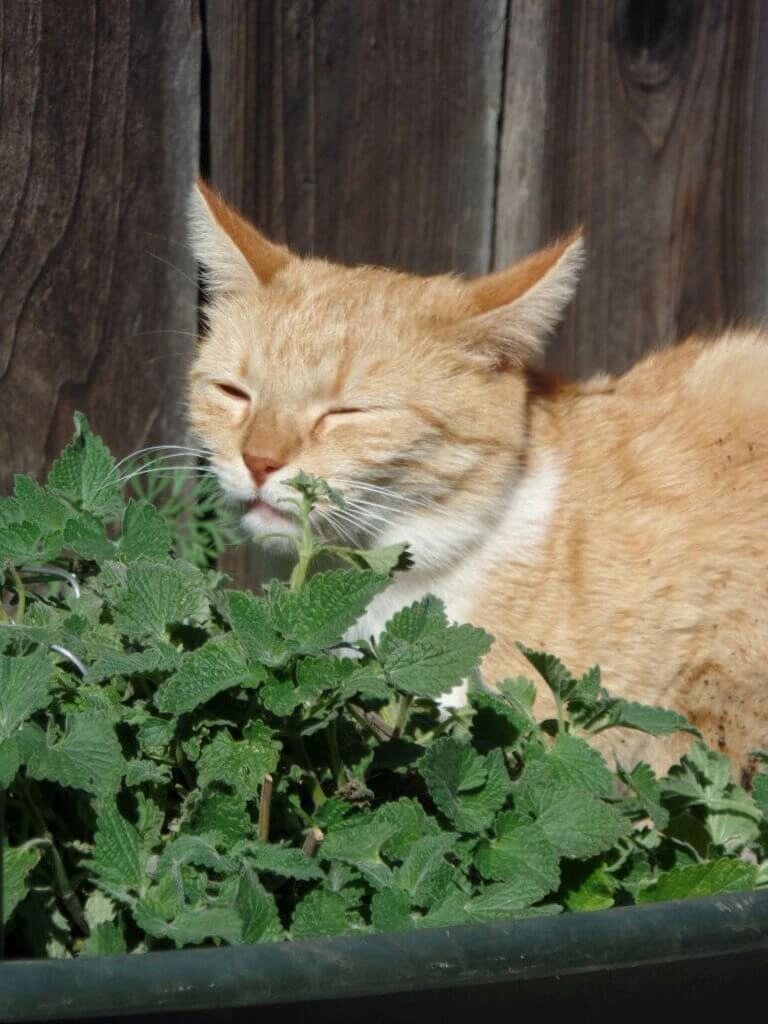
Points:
(192, 470)
(336, 527)
(388, 492)
(181, 448)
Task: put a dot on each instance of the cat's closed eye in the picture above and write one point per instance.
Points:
(233, 392)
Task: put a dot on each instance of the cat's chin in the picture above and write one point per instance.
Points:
(263, 520)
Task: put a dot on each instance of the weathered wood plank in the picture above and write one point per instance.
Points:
(653, 132)
(99, 118)
(361, 130)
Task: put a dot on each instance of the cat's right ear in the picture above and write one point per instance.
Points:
(234, 256)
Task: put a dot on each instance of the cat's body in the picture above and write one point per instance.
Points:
(619, 522)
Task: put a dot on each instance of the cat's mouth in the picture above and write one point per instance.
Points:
(264, 507)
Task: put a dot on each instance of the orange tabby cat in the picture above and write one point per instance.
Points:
(621, 521)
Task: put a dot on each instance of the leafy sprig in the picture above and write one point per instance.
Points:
(187, 764)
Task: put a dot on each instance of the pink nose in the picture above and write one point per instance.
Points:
(260, 466)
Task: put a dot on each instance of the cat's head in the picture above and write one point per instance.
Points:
(405, 392)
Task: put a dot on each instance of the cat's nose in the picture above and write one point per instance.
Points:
(260, 466)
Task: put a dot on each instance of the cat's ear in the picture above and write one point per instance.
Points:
(514, 310)
(233, 254)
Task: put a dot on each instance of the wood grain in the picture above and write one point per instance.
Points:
(361, 130)
(655, 137)
(99, 116)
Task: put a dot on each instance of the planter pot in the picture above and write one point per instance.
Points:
(683, 961)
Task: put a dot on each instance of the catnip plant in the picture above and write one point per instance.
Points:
(185, 764)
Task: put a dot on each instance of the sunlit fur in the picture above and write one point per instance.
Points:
(620, 521)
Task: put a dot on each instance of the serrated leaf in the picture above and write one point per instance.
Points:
(85, 473)
(240, 763)
(139, 771)
(359, 842)
(424, 656)
(652, 720)
(552, 671)
(199, 850)
(257, 910)
(577, 824)
(224, 814)
(458, 781)
(571, 762)
(154, 735)
(157, 595)
(709, 879)
(145, 532)
(502, 901)
(188, 926)
(286, 861)
(494, 723)
(317, 616)
(35, 504)
(318, 914)
(22, 542)
(391, 911)
(116, 860)
(520, 854)
(87, 757)
(648, 791)
(25, 688)
(106, 939)
(217, 665)
(86, 535)
(98, 909)
(411, 822)
(251, 620)
(280, 697)
(160, 657)
(17, 863)
(425, 874)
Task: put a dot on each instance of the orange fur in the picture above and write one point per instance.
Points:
(620, 521)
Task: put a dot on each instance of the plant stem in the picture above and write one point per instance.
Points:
(21, 594)
(333, 747)
(317, 790)
(265, 806)
(311, 845)
(306, 549)
(402, 714)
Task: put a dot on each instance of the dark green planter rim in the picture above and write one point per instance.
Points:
(368, 965)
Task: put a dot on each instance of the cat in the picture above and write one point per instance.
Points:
(618, 521)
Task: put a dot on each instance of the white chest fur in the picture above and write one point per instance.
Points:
(453, 563)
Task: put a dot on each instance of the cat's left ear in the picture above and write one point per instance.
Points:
(514, 310)
(233, 254)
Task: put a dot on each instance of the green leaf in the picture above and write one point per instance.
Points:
(386, 560)
(316, 617)
(577, 824)
(760, 792)
(358, 842)
(157, 595)
(519, 694)
(154, 735)
(391, 911)
(86, 535)
(145, 532)
(139, 771)
(646, 787)
(87, 757)
(240, 763)
(424, 656)
(315, 489)
(217, 665)
(595, 891)
(188, 926)
(286, 861)
(425, 874)
(251, 620)
(552, 671)
(106, 939)
(456, 777)
(85, 473)
(411, 822)
(36, 505)
(521, 854)
(17, 863)
(709, 879)
(318, 914)
(652, 720)
(494, 723)
(224, 814)
(25, 688)
(257, 910)
(200, 850)
(499, 902)
(116, 860)
(570, 762)
(161, 657)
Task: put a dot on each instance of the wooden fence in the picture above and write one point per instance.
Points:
(427, 134)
